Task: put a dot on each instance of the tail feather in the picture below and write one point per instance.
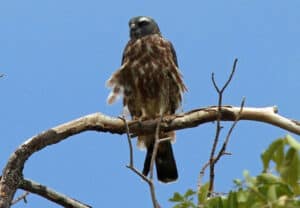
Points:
(165, 163)
(148, 160)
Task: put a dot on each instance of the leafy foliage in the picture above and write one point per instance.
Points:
(185, 200)
(277, 186)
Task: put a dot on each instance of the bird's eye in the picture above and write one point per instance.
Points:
(143, 23)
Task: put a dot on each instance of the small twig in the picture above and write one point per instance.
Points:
(201, 175)
(22, 197)
(153, 195)
(150, 183)
(228, 80)
(223, 149)
(154, 153)
(165, 139)
(218, 126)
(231, 75)
(131, 164)
(136, 171)
(155, 148)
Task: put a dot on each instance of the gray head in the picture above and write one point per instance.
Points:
(141, 26)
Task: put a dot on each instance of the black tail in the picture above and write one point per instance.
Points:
(165, 163)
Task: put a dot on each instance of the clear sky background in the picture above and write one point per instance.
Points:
(57, 55)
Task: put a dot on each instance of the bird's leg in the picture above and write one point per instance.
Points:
(140, 118)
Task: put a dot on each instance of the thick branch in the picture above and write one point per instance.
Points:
(52, 195)
(12, 173)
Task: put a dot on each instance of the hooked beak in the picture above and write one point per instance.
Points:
(132, 26)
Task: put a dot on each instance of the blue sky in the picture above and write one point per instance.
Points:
(57, 55)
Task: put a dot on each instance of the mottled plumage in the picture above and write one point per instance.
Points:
(151, 85)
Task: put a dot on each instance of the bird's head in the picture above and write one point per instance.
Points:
(141, 26)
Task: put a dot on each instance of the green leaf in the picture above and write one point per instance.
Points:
(267, 178)
(293, 142)
(232, 200)
(290, 170)
(177, 197)
(284, 189)
(215, 202)
(242, 196)
(272, 196)
(238, 183)
(189, 193)
(249, 180)
(202, 195)
(268, 154)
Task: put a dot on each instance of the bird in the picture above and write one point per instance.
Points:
(152, 86)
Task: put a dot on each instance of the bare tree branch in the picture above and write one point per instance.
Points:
(154, 153)
(228, 80)
(155, 148)
(12, 173)
(20, 198)
(150, 183)
(222, 152)
(131, 163)
(44, 191)
(223, 148)
(212, 159)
